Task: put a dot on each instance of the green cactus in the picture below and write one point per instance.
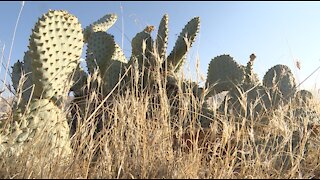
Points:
(16, 74)
(19, 69)
(303, 108)
(250, 76)
(53, 55)
(303, 97)
(79, 79)
(142, 46)
(105, 61)
(255, 98)
(224, 73)
(55, 50)
(246, 97)
(45, 125)
(281, 83)
(101, 25)
(278, 86)
(104, 54)
(103, 51)
(162, 37)
(184, 42)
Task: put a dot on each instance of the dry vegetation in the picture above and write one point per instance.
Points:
(141, 135)
(144, 140)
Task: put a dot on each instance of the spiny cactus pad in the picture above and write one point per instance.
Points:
(101, 25)
(102, 51)
(43, 126)
(184, 42)
(303, 97)
(24, 68)
(107, 55)
(55, 48)
(224, 73)
(17, 69)
(162, 36)
(142, 46)
(79, 81)
(281, 82)
(246, 101)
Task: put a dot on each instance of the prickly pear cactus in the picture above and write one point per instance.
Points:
(105, 61)
(54, 53)
(142, 46)
(224, 73)
(101, 25)
(250, 76)
(45, 125)
(303, 108)
(19, 69)
(55, 50)
(16, 74)
(184, 42)
(147, 54)
(281, 83)
(103, 49)
(303, 97)
(79, 79)
(249, 98)
(246, 101)
(104, 54)
(162, 37)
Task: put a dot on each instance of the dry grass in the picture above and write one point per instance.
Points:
(140, 137)
(143, 140)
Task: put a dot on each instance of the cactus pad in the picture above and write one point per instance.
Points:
(20, 68)
(303, 97)
(224, 73)
(281, 82)
(184, 42)
(44, 126)
(55, 49)
(17, 69)
(246, 101)
(79, 81)
(101, 25)
(162, 36)
(107, 55)
(142, 46)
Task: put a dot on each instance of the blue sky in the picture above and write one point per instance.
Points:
(277, 32)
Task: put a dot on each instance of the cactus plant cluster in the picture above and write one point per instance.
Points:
(147, 55)
(278, 86)
(51, 69)
(249, 99)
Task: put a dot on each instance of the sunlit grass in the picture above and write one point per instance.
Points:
(144, 140)
(139, 136)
